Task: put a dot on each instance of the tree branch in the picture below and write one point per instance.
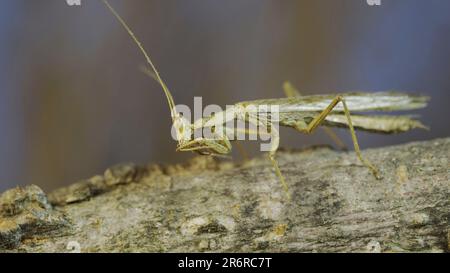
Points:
(206, 205)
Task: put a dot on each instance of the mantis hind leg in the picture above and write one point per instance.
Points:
(291, 91)
(321, 117)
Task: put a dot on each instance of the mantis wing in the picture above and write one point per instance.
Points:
(356, 102)
(377, 124)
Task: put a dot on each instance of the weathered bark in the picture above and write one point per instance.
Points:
(205, 205)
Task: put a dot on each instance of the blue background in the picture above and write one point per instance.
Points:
(73, 102)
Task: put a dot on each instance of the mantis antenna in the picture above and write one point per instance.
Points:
(147, 58)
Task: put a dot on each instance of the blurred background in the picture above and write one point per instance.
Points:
(73, 101)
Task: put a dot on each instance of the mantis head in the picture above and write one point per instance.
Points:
(183, 128)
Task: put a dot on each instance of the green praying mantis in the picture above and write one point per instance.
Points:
(302, 113)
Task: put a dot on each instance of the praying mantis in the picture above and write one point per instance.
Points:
(302, 113)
